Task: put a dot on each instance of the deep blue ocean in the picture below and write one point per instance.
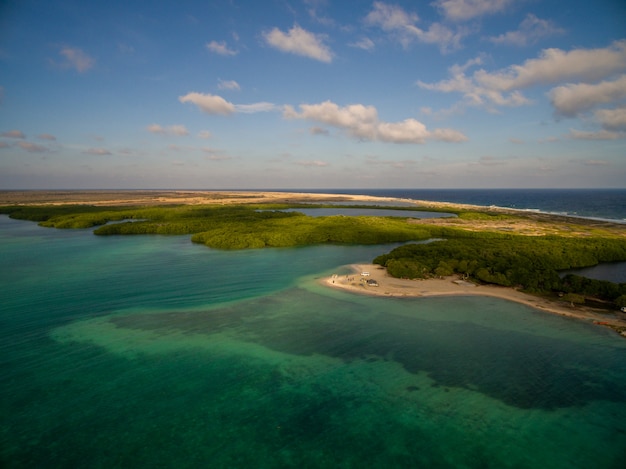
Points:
(607, 204)
(152, 351)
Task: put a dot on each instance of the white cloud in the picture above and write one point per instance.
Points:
(211, 104)
(555, 65)
(228, 85)
(97, 151)
(177, 130)
(530, 30)
(462, 10)
(204, 134)
(220, 48)
(77, 59)
(474, 94)
(362, 122)
(612, 119)
(32, 147)
(300, 42)
(46, 137)
(363, 43)
(402, 26)
(571, 99)
(13, 134)
(501, 88)
(255, 107)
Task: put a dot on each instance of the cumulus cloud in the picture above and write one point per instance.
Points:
(77, 59)
(220, 48)
(530, 30)
(13, 134)
(97, 151)
(571, 99)
(502, 88)
(177, 130)
(362, 122)
(402, 26)
(462, 10)
(211, 104)
(473, 92)
(612, 119)
(32, 147)
(300, 42)
(556, 65)
(47, 137)
(228, 85)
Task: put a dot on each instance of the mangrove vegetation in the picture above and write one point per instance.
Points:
(480, 246)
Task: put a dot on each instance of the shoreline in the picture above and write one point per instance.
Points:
(388, 286)
(152, 197)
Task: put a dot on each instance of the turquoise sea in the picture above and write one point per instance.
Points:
(150, 351)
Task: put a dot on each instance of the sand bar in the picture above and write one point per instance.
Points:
(378, 282)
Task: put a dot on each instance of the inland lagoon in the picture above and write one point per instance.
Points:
(152, 351)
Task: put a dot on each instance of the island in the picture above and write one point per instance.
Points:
(472, 250)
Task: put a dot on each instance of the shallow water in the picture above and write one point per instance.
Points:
(151, 351)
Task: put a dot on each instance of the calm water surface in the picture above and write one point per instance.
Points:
(151, 351)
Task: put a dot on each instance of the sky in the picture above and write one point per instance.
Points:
(297, 94)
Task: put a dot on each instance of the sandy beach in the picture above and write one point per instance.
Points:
(371, 279)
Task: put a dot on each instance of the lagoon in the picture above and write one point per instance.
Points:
(150, 351)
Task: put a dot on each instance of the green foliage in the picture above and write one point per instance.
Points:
(574, 298)
(530, 262)
(227, 226)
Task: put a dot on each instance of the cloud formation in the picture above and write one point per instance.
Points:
(47, 137)
(211, 104)
(463, 10)
(599, 135)
(13, 134)
(300, 42)
(362, 122)
(77, 59)
(32, 147)
(572, 99)
(255, 107)
(612, 119)
(228, 85)
(97, 151)
(177, 130)
(530, 30)
(402, 26)
(503, 87)
(220, 48)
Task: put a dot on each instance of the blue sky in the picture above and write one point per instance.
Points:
(299, 94)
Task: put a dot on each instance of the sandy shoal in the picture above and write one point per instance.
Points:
(454, 286)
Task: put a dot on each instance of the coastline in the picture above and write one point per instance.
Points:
(525, 222)
(390, 286)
